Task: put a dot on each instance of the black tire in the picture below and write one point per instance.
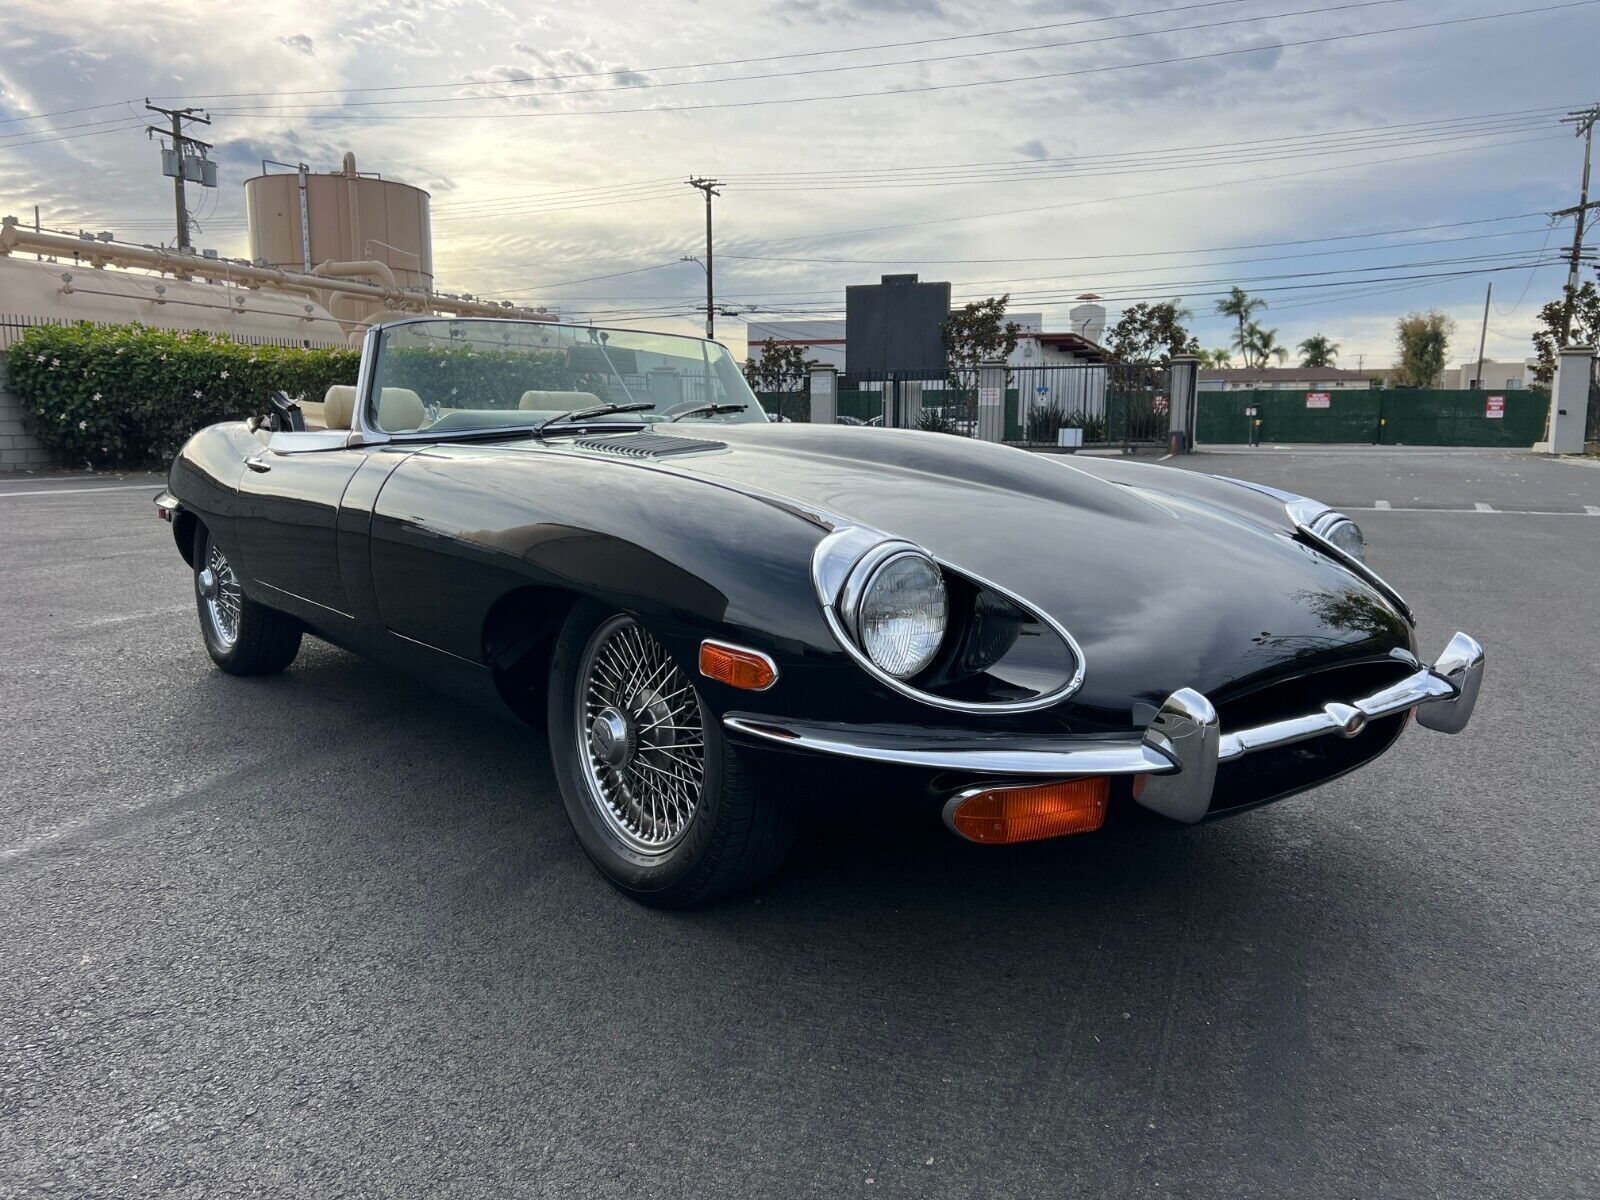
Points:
(736, 835)
(263, 640)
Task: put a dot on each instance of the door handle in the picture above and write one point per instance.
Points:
(258, 463)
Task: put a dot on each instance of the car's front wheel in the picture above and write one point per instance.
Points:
(242, 637)
(661, 802)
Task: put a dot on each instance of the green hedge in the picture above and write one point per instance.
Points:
(130, 396)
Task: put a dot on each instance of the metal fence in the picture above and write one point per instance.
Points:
(14, 325)
(1378, 416)
(1104, 404)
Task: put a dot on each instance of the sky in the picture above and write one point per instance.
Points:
(1331, 157)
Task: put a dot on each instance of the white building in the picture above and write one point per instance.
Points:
(824, 341)
(1508, 376)
(1285, 379)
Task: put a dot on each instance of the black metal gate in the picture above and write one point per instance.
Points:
(1066, 404)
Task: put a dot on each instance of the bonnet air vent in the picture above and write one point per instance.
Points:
(647, 445)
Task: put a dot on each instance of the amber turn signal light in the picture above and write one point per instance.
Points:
(737, 667)
(1000, 816)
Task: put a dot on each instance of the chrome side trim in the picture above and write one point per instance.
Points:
(843, 550)
(168, 506)
(1062, 760)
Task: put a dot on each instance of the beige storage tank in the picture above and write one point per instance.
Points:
(349, 218)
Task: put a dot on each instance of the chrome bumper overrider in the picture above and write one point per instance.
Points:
(1179, 751)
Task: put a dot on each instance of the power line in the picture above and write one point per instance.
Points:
(67, 112)
(835, 69)
(1149, 164)
(1298, 174)
(945, 87)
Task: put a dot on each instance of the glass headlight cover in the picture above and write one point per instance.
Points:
(900, 615)
(1345, 535)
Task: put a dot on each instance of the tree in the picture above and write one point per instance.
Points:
(1151, 334)
(1241, 306)
(1260, 345)
(1216, 360)
(978, 333)
(1584, 304)
(781, 368)
(1424, 340)
(1318, 351)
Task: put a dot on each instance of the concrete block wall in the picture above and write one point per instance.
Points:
(19, 449)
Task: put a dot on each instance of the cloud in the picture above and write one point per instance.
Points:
(1032, 148)
(301, 42)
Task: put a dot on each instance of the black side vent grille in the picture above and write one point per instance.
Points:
(647, 445)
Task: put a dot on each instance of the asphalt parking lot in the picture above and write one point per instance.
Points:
(328, 934)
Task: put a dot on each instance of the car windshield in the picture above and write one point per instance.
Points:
(446, 376)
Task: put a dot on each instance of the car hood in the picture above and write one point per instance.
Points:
(1162, 586)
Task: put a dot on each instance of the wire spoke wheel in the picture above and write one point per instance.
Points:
(641, 740)
(223, 597)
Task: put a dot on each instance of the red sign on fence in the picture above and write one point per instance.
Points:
(1494, 407)
(1319, 399)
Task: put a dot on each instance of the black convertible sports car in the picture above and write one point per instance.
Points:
(601, 529)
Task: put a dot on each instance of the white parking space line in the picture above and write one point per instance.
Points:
(152, 488)
(1589, 510)
(1482, 507)
(1380, 505)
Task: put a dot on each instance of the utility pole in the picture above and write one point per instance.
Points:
(709, 187)
(1483, 335)
(180, 145)
(1583, 120)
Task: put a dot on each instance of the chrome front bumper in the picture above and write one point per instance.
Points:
(1179, 752)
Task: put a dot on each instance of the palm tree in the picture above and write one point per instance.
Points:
(1261, 344)
(1216, 360)
(1318, 351)
(1241, 306)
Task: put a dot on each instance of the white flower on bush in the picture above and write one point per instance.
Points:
(54, 363)
(197, 394)
(38, 358)
(120, 349)
(224, 375)
(83, 424)
(97, 395)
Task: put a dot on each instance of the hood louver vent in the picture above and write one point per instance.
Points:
(647, 445)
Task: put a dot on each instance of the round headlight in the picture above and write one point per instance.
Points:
(901, 616)
(1345, 536)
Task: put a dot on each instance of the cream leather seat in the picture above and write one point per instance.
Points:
(338, 406)
(399, 409)
(558, 401)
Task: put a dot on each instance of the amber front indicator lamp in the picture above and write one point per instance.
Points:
(737, 667)
(1000, 816)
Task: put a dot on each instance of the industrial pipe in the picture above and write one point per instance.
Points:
(14, 237)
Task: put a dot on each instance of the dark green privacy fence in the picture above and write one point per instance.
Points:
(1379, 416)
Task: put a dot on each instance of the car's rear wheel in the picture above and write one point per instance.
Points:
(661, 802)
(242, 637)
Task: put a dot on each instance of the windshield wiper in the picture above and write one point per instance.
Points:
(583, 414)
(710, 410)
